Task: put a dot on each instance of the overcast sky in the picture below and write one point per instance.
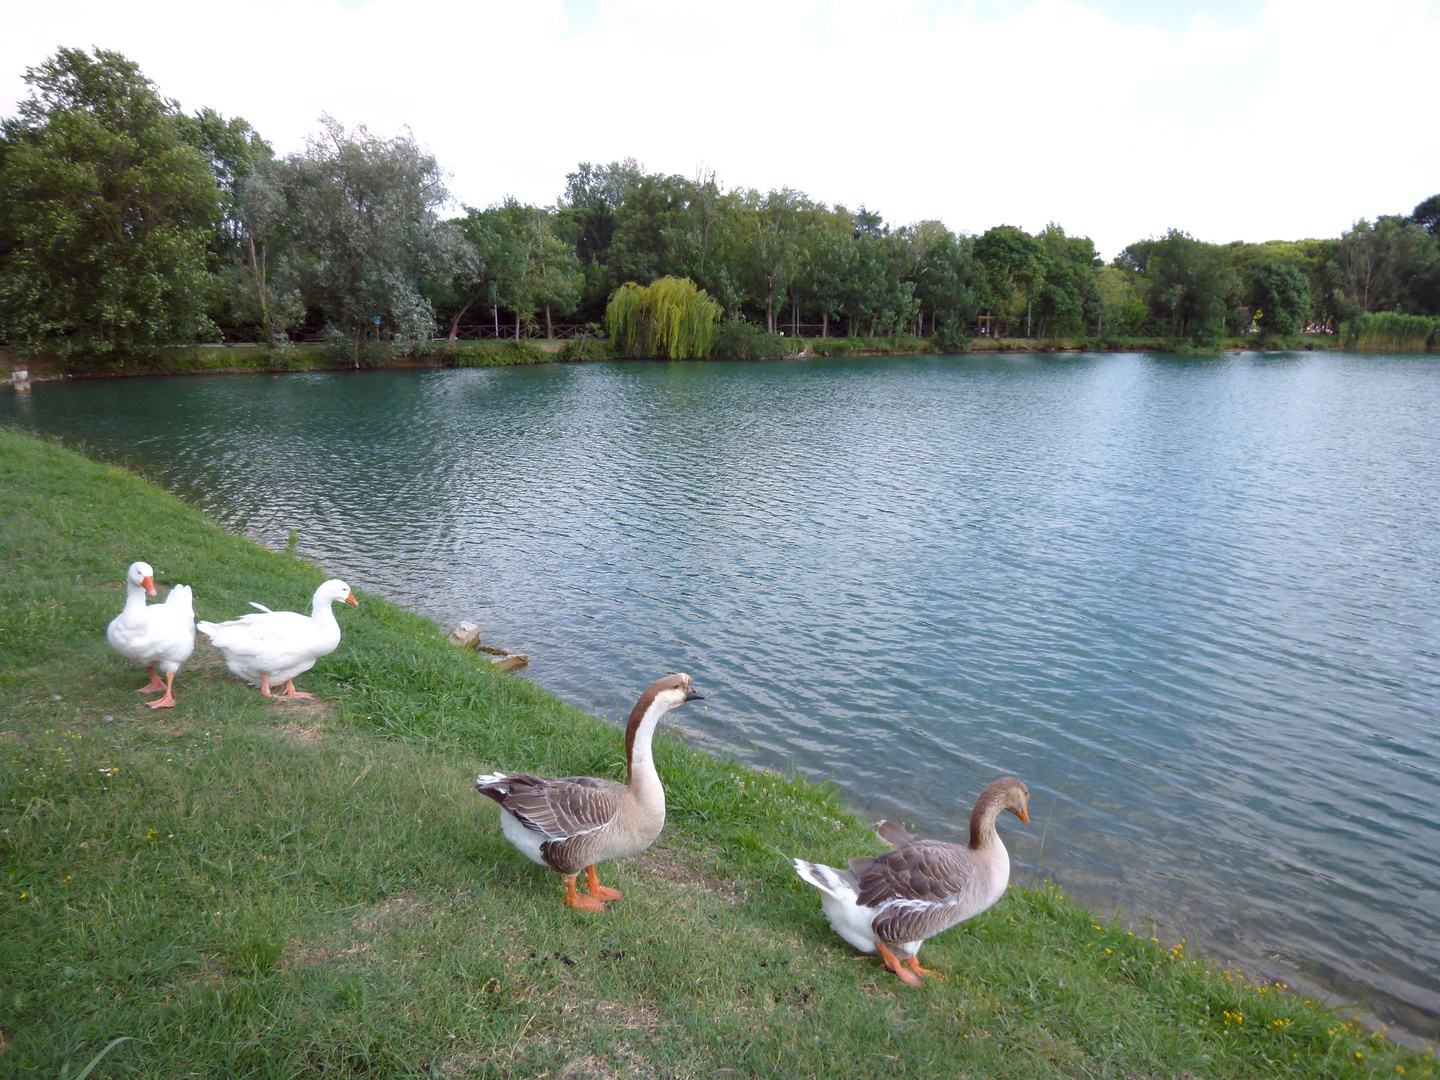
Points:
(1230, 119)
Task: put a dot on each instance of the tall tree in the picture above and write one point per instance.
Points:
(944, 281)
(829, 247)
(106, 208)
(1280, 297)
(1068, 299)
(1392, 265)
(1186, 283)
(1013, 264)
(363, 230)
(1427, 215)
(778, 221)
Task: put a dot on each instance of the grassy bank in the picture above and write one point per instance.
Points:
(242, 359)
(243, 887)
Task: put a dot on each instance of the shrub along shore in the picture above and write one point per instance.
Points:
(254, 887)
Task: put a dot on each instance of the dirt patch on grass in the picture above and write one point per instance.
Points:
(312, 710)
(167, 724)
(666, 867)
(624, 1015)
(589, 1066)
(301, 734)
(208, 661)
(303, 954)
(210, 973)
(5, 1041)
(394, 911)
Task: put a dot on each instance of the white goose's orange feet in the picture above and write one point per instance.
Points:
(574, 899)
(906, 976)
(592, 883)
(168, 701)
(265, 685)
(290, 691)
(153, 685)
(914, 965)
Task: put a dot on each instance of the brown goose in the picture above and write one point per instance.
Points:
(891, 903)
(570, 825)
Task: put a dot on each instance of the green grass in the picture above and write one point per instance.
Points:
(258, 888)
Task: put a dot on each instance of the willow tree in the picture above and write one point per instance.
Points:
(669, 317)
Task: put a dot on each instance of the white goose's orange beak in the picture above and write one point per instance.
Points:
(148, 584)
(350, 599)
(1024, 815)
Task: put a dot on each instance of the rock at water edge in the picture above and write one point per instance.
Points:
(466, 635)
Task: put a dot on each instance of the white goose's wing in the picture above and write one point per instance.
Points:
(272, 635)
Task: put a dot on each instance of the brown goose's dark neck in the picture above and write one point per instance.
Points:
(982, 818)
(640, 718)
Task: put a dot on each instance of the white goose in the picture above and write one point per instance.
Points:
(891, 903)
(154, 635)
(279, 645)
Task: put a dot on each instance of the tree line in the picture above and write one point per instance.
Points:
(127, 224)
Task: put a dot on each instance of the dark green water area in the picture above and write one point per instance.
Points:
(1193, 603)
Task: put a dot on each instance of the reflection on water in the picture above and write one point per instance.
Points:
(1193, 604)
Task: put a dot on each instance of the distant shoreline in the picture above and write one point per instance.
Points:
(257, 359)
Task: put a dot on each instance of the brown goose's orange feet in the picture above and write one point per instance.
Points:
(592, 883)
(167, 701)
(584, 903)
(914, 965)
(153, 685)
(907, 977)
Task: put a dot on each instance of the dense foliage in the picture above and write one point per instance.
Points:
(126, 224)
(106, 208)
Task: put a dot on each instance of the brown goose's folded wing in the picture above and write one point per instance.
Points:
(917, 890)
(558, 809)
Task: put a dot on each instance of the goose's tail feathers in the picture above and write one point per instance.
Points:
(831, 882)
(485, 780)
(182, 596)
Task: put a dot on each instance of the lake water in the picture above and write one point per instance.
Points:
(1194, 604)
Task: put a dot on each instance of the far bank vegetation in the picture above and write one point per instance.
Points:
(129, 227)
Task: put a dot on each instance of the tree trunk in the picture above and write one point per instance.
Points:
(1027, 318)
(455, 323)
(260, 293)
(497, 320)
(770, 312)
(549, 329)
(825, 323)
(795, 320)
(517, 324)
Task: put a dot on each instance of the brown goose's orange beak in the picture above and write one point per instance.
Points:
(149, 585)
(350, 599)
(1024, 815)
